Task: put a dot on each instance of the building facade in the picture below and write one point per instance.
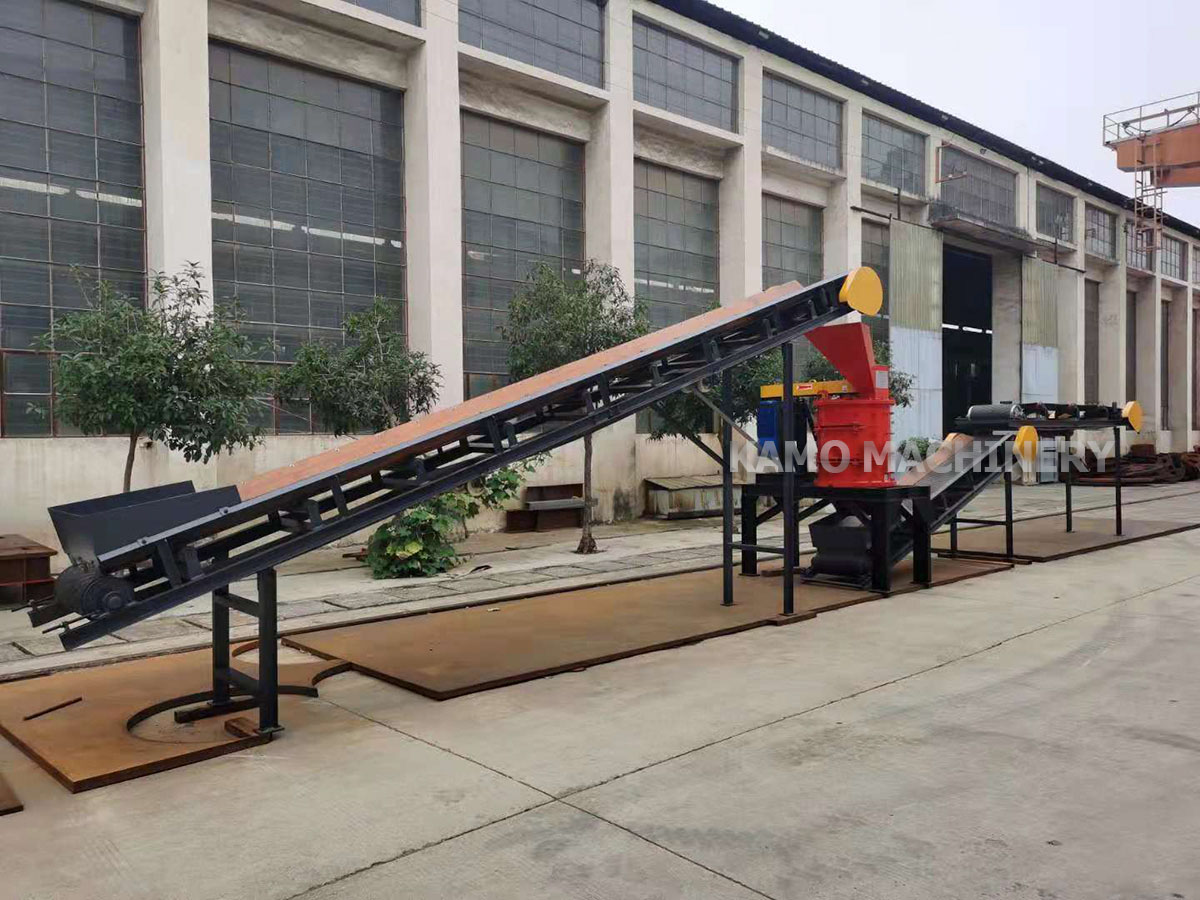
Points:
(312, 155)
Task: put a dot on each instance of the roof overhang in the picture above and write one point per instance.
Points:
(947, 218)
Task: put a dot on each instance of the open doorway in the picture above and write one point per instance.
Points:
(966, 332)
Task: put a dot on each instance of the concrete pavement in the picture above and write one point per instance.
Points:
(1031, 734)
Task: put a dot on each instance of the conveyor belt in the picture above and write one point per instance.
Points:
(123, 575)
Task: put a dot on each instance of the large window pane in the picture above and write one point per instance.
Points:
(978, 189)
(308, 205)
(1055, 213)
(683, 76)
(1100, 237)
(802, 122)
(523, 205)
(1139, 249)
(893, 155)
(792, 242)
(70, 182)
(1174, 258)
(565, 36)
(676, 242)
(405, 10)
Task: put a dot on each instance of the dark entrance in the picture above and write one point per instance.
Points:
(966, 332)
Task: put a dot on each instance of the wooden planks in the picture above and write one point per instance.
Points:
(76, 724)
(1046, 539)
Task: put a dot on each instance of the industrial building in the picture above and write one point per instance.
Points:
(314, 154)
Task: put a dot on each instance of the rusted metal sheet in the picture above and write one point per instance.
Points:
(455, 652)
(1046, 539)
(76, 724)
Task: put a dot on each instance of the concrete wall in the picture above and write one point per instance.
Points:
(440, 77)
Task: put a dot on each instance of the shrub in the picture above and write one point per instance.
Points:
(420, 541)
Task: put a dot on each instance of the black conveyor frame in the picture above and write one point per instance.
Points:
(206, 555)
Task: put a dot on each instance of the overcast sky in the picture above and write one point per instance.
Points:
(1041, 74)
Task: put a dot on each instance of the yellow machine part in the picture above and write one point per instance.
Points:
(806, 389)
(862, 290)
(1026, 443)
(1133, 414)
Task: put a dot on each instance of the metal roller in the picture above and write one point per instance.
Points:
(994, 413)
(87, 591)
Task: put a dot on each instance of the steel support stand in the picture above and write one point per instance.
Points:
(1008, 512)
(1070, 478)
(954, 536)
(727, 489)
(1117, 475)
(749, 531)
(788, 475)
(221, 660)
(922, 551)
(268, 653)
(881, 545)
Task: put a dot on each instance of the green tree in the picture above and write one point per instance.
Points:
(373, 383)
(686, 415)
(174, 372)
(554, 321)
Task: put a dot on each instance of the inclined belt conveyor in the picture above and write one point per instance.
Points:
(136, 555)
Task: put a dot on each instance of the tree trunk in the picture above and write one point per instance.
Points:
(587, 543)
(133, 439)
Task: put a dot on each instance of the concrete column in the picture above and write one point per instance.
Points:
(608, 235)
(609, 155)
(1007, 287)
(1112, 335)
(741, 192)
(1149, 346)
(1179, 353)
(432, 134)
(178, 194)
(1070, 307)
(843, 227)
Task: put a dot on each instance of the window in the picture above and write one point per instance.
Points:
(404, 10)
(562, 36)
(1196, 265)
(1139, 253)
(893, 155)
(978, 189)
(308, 201)
(802, 122)
(1101, 236)
(876, 253)
(676, 245)
(1091, 341)
(523, 205)
(1131, 390)
(1174, 258)
(1055, 213)
(682, 76)
(792, 242)
(70, 183)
